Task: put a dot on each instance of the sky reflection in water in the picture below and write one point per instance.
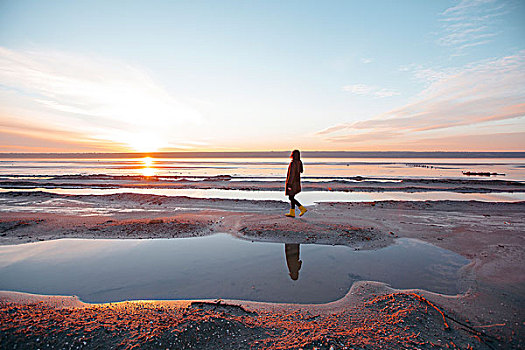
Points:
(219, 266)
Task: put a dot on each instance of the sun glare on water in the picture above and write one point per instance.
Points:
(148, 169)
(148, 161)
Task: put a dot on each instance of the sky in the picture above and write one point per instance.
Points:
(117, 76)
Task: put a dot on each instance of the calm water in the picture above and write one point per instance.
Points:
(261, 169)
(514, 168)
(220, 266)
(306, 197)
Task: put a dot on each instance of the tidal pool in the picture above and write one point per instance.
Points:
(306, 197)
(220, 266)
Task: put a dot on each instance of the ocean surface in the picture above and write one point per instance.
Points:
(270, 169)
(512, 168)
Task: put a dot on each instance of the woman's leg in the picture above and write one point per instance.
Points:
(293, 201)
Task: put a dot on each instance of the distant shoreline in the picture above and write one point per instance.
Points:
(269, 154)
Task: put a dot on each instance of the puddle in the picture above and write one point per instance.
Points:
(220, 266)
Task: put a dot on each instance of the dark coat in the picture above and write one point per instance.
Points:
(293, 178)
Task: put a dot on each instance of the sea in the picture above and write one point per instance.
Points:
(249, 169)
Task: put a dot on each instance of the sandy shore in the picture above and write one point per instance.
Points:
(488, 315)
(226, 182)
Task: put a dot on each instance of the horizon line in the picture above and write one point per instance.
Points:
(271, 154)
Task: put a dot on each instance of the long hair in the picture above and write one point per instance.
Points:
(296, 155)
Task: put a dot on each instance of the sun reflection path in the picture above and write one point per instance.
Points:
(148, 169)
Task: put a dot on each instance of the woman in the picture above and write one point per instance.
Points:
(293, 183)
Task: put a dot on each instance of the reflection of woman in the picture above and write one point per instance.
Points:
(293, 183)
(292, 260)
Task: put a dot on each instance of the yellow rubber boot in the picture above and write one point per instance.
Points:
(291, 214)
(303, 210)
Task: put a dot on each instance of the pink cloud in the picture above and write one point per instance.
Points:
(102, 99)
(481, 93)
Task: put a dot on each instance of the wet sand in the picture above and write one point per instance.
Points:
(372, 315)
(227, 182)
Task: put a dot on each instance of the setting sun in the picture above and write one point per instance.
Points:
(145, 142)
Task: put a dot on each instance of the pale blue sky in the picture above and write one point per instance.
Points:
(262, 74)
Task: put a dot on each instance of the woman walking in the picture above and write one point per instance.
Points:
(293, 183)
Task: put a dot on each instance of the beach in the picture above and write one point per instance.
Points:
(262, 175)
(371, 315)
(197, 253)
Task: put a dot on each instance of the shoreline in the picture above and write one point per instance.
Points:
(371, 315)
(489, 234)
(226, 182)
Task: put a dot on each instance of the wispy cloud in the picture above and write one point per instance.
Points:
(479, 93)
(99, 98)
(488, 141)
(362, 89)
(470, 23)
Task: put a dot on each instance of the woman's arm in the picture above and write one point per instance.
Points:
(292, 175)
